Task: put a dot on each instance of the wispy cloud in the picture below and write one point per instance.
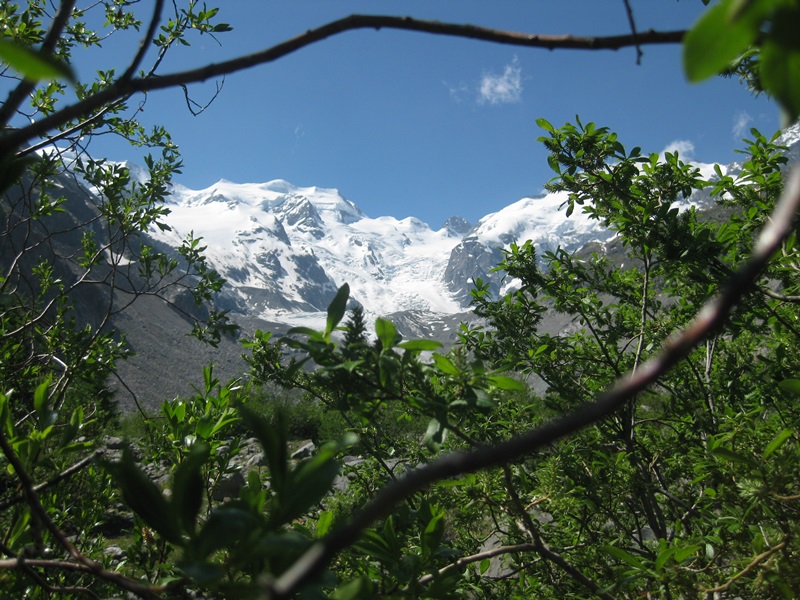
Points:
(740, 123)
(684, 148)
(299, 134)
(502, 88)
(458, 92)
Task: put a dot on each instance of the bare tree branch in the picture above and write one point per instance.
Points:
(82, 562)
(131, 585)
(124, 87)
(710, 317)
(26, 86)
(466, 560)
(778, 296)
(752, 565)
(634, 33)
(146, 41)
(66, 473)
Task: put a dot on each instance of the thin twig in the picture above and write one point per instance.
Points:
(752, 565)
(146, 41)
(462, 562)
(26, 86)
(66, 473)
(130, 585)
(634, 33)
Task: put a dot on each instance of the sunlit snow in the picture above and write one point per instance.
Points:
(391, 265)
(264, 236)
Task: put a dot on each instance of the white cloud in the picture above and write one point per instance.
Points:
(684, 148)
(740, 123)
(504, 88)
(299, 134)
(457, 92)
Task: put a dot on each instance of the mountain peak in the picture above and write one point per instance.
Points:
(279, 185)
(457, 226)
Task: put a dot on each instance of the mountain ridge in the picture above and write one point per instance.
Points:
(285, 249)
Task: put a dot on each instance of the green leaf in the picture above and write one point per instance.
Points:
(284, 546)
(33, 65)
(324, 522)
(484, 565)
(187, 487)
(337, 309)
(386, 332)
(780, 62)
(226, 526)
(40, 397)
(681, 554)
(620, 554)
(434, 435)
(468, 479)
(545, 124)
(552, 160)
(432, 535)
(310, 481)
(731, 456)
(354, 590)
(201, 571)
(389, 367)
(273, 440)
(72, 428)
(663, 557)
(778, 441)
(143, 497)
(482, 399)
(790, 385)
(303, 331)
(716, 40)
(444, 365)
(373, 545)
(507, 383)
(5, 416)
(20, 530)
(420, 345)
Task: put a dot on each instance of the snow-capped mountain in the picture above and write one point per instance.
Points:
(284, 249)
(541, 219)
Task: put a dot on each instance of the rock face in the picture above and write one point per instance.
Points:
(469, 261)
(457, 226)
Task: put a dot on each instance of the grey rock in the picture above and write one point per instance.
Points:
(229, 486)
(469, 261)
(115, 553)
(304, 451)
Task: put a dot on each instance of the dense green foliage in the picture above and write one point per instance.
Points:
(693, 480)
(416, 487)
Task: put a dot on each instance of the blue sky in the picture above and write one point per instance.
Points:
(410, 124)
